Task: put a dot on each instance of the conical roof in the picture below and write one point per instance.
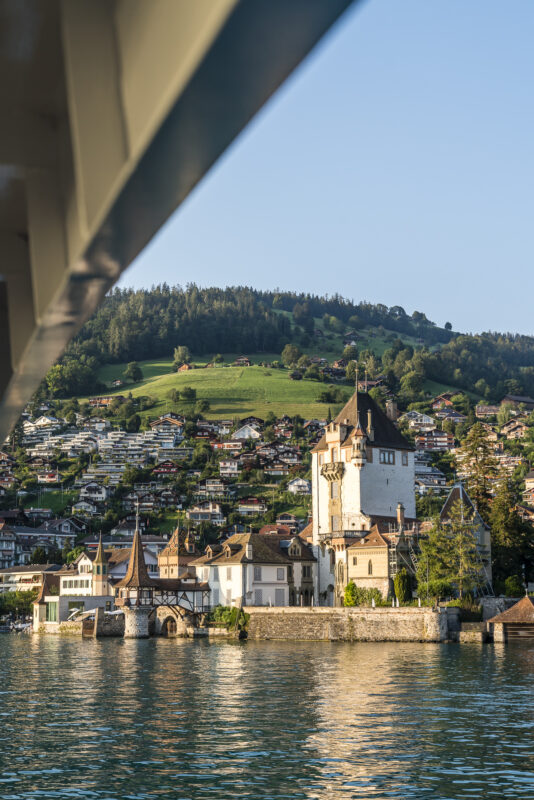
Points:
(137, 575)
(100, 557)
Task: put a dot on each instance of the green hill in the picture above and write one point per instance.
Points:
(231, 391)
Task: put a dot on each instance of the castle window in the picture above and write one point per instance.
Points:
(405, 459)
(321, 459)
(354, 561)
(387, 456)
(370, 567)
(334, 455)
(335, 522)
(334, 490)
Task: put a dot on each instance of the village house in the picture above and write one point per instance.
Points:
(175, 558)
(208, 511)
(434, 441)
(483, 412)
(419, 422)
(519, 401)
(515, 429)
(441, 401)
(299, 486)
(26, 577)
(252, 569)
(245, 432)
(251, 507)
(228, 468)
(94, 492)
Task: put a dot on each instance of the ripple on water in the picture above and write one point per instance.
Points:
(162, 719)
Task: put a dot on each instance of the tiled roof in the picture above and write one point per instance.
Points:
(261, 552)
(386, 434)
(522, 612)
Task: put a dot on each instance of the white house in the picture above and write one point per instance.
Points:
(95, 492)
(299, 486)
(247, 432)
(229, 468)
(253, 569)
(206, 512)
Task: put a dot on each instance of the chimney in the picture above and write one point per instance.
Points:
(400, 516)
(370, 429)
(391, 410)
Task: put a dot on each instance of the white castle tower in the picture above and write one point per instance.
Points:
(362, 475)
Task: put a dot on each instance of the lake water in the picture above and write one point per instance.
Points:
(173, 719)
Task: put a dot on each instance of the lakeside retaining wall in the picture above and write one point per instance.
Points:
(348, 624)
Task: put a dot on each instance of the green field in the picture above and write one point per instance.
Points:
(231, 391)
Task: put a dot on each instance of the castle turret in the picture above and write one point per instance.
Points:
(100, 572)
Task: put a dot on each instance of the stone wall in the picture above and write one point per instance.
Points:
(348, 624)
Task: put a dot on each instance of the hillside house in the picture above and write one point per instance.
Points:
(443, 400)
(208, 511)
(251, 507)
(229, 468)
(245, 432)
(299, 486)
(519, 401)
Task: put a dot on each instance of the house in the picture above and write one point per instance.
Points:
(529, 480)
(165, 468)
(228, 468)
(515, 429)
(516, 622)
(289, 521)
(169, 421)
(86, 508)
(526, 513)
(26, 577)
(246, 431)
(419, 422)
(71, 526)
(518, 401)
(103, 402)
(208, 511)
(94, 492)
(482, 411)
(252, 569)
(214, 489)
(441, 401)
(451, 415)
(299, 486)
(242, 361)
(175, 558)
(434, 441)
(10, 547)
(251, 507)
(276, 470)
(116, 382)
(186, 367)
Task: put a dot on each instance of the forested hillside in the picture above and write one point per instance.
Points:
(147, 324)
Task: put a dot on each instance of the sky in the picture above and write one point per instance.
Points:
(395, 166)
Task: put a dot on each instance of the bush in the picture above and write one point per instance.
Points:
(403, 586)
(435, 588)
(513, 586)
(229, 617)
(357, 596)
(470, 611)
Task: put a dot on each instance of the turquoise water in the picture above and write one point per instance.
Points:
(162, 719)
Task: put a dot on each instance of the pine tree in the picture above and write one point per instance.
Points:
(511, 537)
(477, 460)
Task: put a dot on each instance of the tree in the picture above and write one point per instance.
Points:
(449, 553)
(202, 406)
(350, 371)
(39, 556)
(189, 394)
(479, 463)
(403, 585)
(290, 354)
(350, 353)
(513, 586)
(133, 423)
(181, 356)
(218, 359)
(350, 595)
(511, 537)
(73, 554)
(448, 326)
(133, 372)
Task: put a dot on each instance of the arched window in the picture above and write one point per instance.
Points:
(370, 567)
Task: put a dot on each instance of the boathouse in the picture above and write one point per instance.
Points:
(515, 623)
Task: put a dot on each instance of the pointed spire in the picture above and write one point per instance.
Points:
(100, 557)
(137, 575)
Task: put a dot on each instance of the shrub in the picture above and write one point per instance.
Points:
(403, 586)
(513, 586)
(470, 611)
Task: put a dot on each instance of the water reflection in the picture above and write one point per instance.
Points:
(180, 719)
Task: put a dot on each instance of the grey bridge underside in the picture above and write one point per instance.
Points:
(112, 111)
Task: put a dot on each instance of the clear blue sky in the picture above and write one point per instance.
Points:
(396, 166)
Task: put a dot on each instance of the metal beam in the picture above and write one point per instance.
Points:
(139, 102)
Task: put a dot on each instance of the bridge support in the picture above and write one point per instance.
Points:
(136, 622)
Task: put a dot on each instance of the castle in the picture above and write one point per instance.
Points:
(363, 499)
